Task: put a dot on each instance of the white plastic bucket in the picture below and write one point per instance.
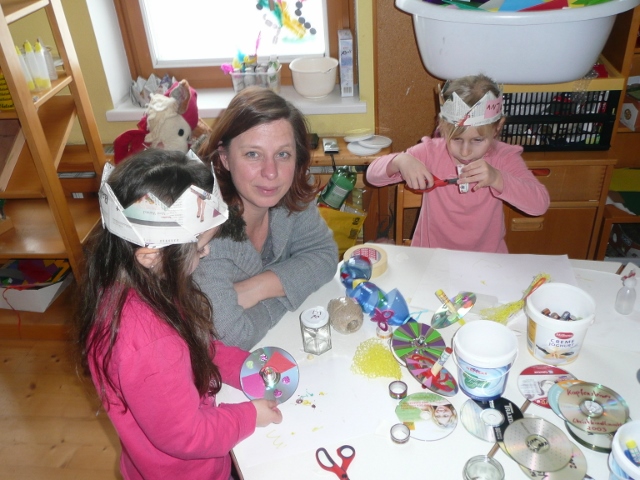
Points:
(554, 341)
(619, 464)
(484, 352)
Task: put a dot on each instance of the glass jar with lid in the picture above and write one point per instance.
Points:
(316, 330)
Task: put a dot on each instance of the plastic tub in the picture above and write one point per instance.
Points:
(552, 46)
(484, 352)
(621, 465)
(558, 342)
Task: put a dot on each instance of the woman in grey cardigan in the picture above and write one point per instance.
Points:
(278, 250)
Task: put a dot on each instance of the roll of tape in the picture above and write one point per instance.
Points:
(400, 433)
(397, 389)
(376, 254)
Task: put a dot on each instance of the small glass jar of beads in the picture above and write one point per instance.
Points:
(316, 330)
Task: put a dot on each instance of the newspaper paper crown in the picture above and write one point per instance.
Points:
(150, 223)
(487, 110)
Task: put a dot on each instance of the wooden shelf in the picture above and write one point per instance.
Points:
(35, 233)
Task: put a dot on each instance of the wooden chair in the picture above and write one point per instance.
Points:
(405, 198)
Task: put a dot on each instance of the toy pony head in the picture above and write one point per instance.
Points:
(170, 122)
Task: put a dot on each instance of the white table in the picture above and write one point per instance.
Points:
(351, 409)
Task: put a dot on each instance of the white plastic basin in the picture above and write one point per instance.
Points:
(553, 46)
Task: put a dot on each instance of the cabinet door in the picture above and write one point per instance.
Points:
(559, 231)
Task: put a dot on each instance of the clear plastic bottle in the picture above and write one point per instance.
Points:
(626, 298)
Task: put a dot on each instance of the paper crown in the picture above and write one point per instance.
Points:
(150, 223)
(487, 110)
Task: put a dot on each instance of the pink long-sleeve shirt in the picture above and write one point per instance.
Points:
(169, 430)
(472, 221)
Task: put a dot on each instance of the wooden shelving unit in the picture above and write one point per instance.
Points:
(52, 217)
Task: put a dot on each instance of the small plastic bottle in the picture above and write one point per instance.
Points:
(340, 184)
(626, 298)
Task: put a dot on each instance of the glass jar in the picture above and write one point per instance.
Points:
(316, 330)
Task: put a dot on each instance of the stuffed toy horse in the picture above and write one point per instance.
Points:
(171, 122)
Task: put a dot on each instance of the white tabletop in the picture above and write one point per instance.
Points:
(337, 407)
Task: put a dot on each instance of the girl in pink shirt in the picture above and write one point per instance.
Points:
(490, 172)
(144, 327)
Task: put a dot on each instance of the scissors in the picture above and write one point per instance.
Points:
(345, 452)
(437, 183)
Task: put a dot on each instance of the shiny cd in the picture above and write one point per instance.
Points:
(488, 420)
(593, 408)
(554, 394)
(270, 373)
(535, 382)
(574, 470)
(442, 382)
(417, 338)
(464, 301)
(598, 442)
(429, 416)
(538, 444)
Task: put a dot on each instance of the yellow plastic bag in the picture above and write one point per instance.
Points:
(345, 226)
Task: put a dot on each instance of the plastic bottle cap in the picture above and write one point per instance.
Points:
(315, 317)
(631, 444)
(630, 282)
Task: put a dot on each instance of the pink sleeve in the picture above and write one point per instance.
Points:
(157, 384)
(377, 171)
(229, 361)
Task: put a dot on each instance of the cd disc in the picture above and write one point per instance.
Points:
(574, 470)
(488, 420)
(417, 338)
(597, 442)
(463, 302)
(593, 408)
(428, 415)
(270, 373)
(554, 393)
(420, 367)
(535, 382)
(538, 444)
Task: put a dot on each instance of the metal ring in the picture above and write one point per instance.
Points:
(400, 433)
(397, 389)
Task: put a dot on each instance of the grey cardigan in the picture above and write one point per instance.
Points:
(305, 258)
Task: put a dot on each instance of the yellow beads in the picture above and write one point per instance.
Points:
(374, 359)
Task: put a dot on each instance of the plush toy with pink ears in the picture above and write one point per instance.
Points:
(171, 122)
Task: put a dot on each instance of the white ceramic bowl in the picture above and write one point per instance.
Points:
(314, 77)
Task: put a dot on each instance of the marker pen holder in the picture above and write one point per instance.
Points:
(261, 77)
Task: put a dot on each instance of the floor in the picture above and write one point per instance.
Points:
(48, 423)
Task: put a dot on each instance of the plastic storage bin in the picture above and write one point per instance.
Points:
(574, 120)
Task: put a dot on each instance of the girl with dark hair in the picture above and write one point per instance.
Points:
(143, 327)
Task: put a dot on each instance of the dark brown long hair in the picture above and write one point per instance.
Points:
(112, 271)
(251, 107)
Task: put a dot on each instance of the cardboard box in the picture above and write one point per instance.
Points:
(36, 299)
(345, 49)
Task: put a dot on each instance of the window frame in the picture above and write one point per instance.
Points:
(340, 15)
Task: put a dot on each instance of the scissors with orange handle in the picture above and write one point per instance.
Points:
(437, 183)
(345, 452)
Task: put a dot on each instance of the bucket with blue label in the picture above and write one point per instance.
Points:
(484, 352)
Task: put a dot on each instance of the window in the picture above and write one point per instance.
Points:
(193, 42)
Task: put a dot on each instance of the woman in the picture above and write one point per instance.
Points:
(282, 250)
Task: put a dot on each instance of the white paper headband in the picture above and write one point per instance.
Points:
(487, 110)
(150, 223)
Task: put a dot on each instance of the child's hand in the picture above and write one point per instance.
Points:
(482, 174)
(413, 171)
(268, 412)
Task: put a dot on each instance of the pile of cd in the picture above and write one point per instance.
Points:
(592, 412)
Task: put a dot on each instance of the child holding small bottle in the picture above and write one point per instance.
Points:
(489, 172)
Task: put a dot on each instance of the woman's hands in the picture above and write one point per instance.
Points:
(267, 412)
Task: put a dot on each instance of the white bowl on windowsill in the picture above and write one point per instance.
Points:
(314, 77)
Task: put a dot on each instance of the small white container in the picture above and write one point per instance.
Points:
(316, 330)
(625, 468)
(314, 77)
(554, 341)
(484, 351)
(551, 46)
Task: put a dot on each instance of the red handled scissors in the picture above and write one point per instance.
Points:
(437, 183)
(345, 452)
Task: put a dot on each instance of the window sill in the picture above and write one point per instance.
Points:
(211, 103)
